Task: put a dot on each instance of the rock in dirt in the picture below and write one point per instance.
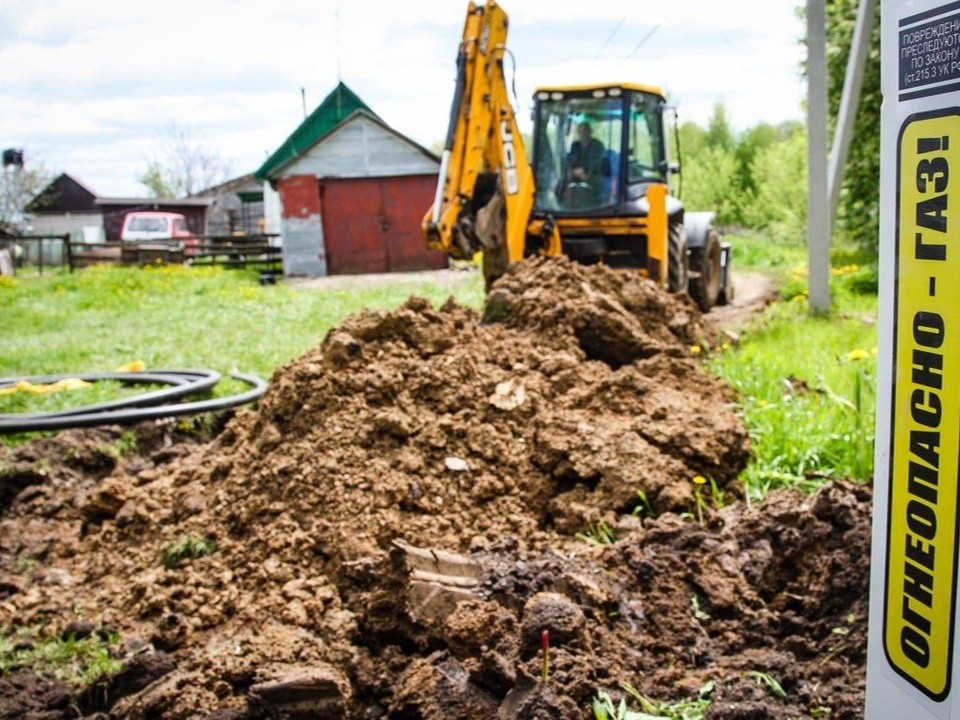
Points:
(307, 693)
(78, 630)
(437, 582)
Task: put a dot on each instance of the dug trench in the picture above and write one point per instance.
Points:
(411, 506)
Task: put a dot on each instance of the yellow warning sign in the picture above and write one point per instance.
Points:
(921, 575)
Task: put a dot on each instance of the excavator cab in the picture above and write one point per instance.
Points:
(602, 177)
(599, 155)
(592, 145)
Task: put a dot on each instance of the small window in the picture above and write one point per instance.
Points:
(646, 140)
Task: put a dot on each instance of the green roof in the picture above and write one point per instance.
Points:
(334, 109)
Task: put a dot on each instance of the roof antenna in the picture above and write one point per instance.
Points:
(303, 99)
(336, 26)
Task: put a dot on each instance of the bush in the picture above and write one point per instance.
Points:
(779, 204)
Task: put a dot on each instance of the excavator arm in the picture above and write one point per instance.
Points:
(485, 191)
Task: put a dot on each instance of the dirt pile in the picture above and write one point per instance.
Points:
(318, 591)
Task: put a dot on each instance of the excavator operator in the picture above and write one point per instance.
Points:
(588, 164)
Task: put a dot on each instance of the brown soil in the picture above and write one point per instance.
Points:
(492, 442)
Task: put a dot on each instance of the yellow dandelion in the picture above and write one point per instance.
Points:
(844, 270)
(134, 366)
(699, 480)
(695, 349)
(857, 354)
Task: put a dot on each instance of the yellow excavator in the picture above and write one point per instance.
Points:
(596, 191)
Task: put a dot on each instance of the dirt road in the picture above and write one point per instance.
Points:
(754, 291)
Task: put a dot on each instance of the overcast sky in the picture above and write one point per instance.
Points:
(90, 87)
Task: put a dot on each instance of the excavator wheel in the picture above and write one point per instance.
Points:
(677, 258)
(706, 272)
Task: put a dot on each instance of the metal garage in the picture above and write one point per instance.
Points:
(353, 192)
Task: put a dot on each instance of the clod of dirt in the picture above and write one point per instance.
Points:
(347, 543)
(554, 613)
(31, 696)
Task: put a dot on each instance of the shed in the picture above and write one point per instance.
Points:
(236, 207)
(65, 207)
(353, 192)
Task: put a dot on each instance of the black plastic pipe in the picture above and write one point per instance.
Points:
(151, 405)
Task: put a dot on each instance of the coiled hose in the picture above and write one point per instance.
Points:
(150, 405)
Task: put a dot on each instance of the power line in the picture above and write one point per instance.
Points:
(609, 38)
(642, 42)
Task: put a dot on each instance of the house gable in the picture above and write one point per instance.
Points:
(362, 146)
(64, 194)
(339, 104)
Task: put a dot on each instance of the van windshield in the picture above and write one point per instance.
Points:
(148, 224)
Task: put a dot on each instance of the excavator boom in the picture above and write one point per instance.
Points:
(485, 191)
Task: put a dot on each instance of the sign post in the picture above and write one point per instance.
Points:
(911, 666)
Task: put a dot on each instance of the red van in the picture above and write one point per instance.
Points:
(146, 226)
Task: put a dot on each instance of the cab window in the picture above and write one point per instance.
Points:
(579, 143)
(645, 141)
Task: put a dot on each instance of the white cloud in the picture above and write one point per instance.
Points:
(90, 86)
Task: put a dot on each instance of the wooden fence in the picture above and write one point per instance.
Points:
(39, 250)
(226, 251)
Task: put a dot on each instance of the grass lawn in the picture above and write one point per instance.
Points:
(806, 384)
(173, 317)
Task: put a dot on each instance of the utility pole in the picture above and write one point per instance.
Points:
(818, 203)
(850, 100)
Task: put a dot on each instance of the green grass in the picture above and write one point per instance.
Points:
(185, 549)
(173, 317)
(599, 534)
(604, 707)
(756, 252)
(80, 662)
(807, 384)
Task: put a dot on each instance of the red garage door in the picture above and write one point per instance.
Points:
(373, 224)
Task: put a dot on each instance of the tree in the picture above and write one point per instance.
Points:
(709, 183)
(859, 210)
(755, 141)
(778, 204)
(719, 133)
(710, 171)
(158, 182)
(17, 189)
(188, 166)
